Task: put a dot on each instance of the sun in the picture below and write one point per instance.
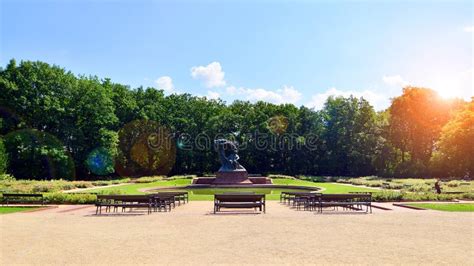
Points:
(458, 85)
(447, 93)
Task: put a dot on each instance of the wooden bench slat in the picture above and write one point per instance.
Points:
(239, 200)
(22, 198)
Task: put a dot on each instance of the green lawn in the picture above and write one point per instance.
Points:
(134, 188)
(207, 194)
(328, 187)
(449, 207)
(5, 210)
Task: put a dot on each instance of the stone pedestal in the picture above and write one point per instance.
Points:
(236, 177)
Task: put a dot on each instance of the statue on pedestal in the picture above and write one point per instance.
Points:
(230, 172)
(228, 156)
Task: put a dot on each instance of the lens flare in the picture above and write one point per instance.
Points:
(100, 161)
(145, 148)
(277, 124)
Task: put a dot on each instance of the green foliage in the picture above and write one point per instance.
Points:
(387, 195)
(59, 125)
(110, 182)
(313, 178)
(148, 179)
(137, 188)
(410, 184)
(456, 145)
(6, 177)
(414, 188)
(451, 207)
(350, 136)
(34, 186)
(100, 161)
(420, 188)
(416, 119)
(454, 183)
(145, 149)
(38, 155)
(11, 209)
(280, 176)
(182, 177)
(3, 157)
(70, 198)
(64, 112)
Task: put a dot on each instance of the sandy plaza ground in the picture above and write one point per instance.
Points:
(191, 234)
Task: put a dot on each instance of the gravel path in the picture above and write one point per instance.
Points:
(190, 234)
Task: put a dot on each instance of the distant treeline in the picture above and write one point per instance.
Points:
(54, 124)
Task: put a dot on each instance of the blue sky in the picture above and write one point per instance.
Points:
(298, 52)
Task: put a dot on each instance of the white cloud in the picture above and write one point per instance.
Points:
(469, 29)
(287, 94)
(395, 80)
(213, 95)
(212, 75)
(165, 83)
(378, 100)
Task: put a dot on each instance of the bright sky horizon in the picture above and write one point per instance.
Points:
(282, 52)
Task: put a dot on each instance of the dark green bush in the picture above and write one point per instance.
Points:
(453, 183)
(111, 192)
(392, 185)
(82, 184)
(280, 176)
(182, 177)
(387, 195)
(312, 178)
(70, 198)
(3, 157)
(34, 186)
(99, 183)
(148, 179)
(37, 155)
(6, 177)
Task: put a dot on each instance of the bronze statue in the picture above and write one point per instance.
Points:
(231, 173)
(228, 156)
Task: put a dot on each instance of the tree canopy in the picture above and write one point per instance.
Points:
(55, 124)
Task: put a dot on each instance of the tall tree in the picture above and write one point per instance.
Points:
(416, 119)
(48, 116)
(349, 136)
(454, 156)
(3, 157)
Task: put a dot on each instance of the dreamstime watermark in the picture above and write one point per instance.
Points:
(245, 141)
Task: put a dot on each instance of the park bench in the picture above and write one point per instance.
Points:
(124, 201)
(163, 201)
(178, 196)
(23, 198)
(239, 200)
(295, 196)
(298, 199)
(304, 200)
(353, 201)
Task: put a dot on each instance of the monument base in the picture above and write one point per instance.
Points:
(232, 178)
